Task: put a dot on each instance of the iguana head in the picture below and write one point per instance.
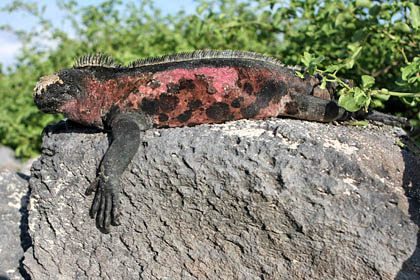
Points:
(65, 92)
(76, 92)
(51, 92)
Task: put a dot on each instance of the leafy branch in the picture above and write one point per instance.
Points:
(354, 98)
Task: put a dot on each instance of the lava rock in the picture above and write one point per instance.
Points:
(14, 237)
(272, 199)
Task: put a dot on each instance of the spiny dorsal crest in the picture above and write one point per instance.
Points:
(107, 61)
(203, 54)
(96, 59)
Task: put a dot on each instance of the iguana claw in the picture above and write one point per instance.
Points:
(105, 205)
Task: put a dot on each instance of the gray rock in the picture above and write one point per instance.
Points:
(8, 161)
(25, 168)
(14, 238)
(274, 199)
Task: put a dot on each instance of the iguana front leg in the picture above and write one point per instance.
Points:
(126, 130)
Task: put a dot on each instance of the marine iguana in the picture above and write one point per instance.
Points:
(177, 90)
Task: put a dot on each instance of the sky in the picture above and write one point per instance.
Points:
(9, 44)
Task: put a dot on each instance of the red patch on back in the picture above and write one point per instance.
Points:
(182, 97)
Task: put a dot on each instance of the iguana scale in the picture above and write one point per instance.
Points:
(177, 90)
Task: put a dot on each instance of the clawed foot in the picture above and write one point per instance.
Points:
(54, 128)
(106, 205)
(63, 125)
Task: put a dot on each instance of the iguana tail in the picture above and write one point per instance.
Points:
(381, 117)
(309, 107)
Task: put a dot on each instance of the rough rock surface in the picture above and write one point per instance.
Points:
(14, 238)
(274, 199)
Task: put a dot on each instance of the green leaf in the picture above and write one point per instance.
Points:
(367, 81)
(201, 8)
(333, 68)
(198, 28)
(355, 48)
(318, 60)
(306, 59)
(367, 103)
(414, 15)
(347, 101)
(411, 71)
(278, 17)
(299, 74)
(349, 62)
(377, 104)
(382, 97)
(342, 18)
(359, 123)
(402, 27)
(363, 3)
(360, 97)
(374, 11)
(310, 62)
(360, 35)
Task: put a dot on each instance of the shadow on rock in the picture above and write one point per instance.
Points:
(411, 184)
(25, 238)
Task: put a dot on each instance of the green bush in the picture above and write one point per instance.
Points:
(375, 43)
